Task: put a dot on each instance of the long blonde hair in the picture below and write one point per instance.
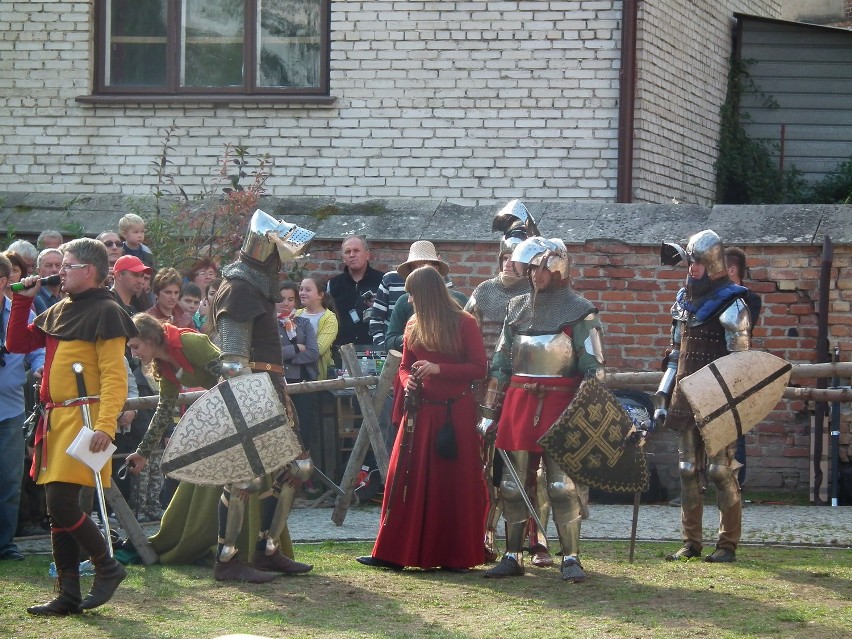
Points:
(435, 324)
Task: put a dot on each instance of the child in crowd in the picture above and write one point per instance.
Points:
(132, 228)
(202, 315)
(300, 354)
(316, 303)
(190, 301)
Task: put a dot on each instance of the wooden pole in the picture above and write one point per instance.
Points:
(362, 442)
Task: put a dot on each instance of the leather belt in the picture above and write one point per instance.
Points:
(266, 367)
(540, 390)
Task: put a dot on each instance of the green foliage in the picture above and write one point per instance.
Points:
(835, 188)
(746, 169)
(210, 224)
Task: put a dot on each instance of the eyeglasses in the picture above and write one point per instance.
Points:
(68, 267)
(112, 244)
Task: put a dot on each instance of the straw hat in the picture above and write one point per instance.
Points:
(422, 251)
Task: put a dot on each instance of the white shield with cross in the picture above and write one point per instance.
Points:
(236, 431)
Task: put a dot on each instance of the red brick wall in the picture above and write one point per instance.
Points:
(634, 294)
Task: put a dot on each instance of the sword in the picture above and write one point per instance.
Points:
(77, 367)
(523, 488)
(328, 482)
(412, 405)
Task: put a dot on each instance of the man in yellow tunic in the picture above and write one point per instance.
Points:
(88, 327)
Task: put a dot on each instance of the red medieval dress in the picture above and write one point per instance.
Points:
(432, 506)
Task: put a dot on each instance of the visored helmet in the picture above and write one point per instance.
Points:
(513, 216)
(706, 248)
(267, 235)
(551, 254)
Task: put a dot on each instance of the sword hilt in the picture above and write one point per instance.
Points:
(77, 367)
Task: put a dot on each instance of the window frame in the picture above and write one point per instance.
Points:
(249, 91)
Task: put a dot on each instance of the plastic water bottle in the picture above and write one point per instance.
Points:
(86, 569)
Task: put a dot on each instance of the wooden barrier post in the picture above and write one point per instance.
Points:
(364, 439)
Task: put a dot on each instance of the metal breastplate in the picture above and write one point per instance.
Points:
(544, 355)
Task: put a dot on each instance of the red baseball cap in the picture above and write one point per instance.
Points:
(130, 263)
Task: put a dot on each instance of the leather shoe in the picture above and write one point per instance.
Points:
(236, 570)
(684, 554)
(279, 562)
(13, 554)
(722, 556)
(375, 562)
(541, 557)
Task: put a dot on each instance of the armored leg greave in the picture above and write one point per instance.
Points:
(515, 511)
(542, 507)
(495, 507)
(729, 499)
(284, 494)
(232, 511)
(691, 455)
(564, 497)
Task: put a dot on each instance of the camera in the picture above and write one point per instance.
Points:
(368, 296)
(3, 351)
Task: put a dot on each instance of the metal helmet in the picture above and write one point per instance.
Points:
(514, 216)
(706, 248)
(551, 254)
(266, 235)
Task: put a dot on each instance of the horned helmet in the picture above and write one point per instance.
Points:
(705, 247)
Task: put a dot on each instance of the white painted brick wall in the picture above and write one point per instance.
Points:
(474, 102)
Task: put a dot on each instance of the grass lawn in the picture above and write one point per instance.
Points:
(769, 592)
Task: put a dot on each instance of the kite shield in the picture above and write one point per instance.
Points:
(731, 395)
(236, 431)
(591, 443)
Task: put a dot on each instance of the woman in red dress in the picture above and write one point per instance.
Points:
(434, 494)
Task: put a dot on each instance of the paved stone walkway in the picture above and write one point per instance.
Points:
(762, 524)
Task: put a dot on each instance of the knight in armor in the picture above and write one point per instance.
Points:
(244, 315)
(710, 319)
(550, 341)
(488, 305)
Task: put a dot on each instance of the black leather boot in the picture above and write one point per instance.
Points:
(67, 602)
(109, 573)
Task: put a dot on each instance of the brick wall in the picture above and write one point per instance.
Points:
(471, 102)
(682, 65)
(634, 295)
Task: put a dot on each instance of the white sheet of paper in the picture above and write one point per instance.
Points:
(79, 450)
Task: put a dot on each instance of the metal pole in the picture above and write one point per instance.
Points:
(77, 367)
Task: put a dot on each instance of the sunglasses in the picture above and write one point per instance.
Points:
(112, 244)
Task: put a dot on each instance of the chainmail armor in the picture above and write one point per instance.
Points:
(264, 276)
(488, 305)
(235, 337)
(547, 312)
